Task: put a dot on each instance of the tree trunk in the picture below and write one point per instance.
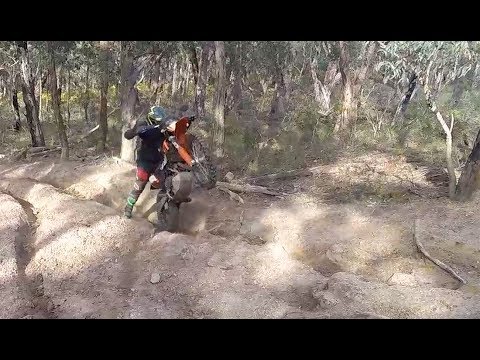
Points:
(238, 75)
(174, 79)
(277, 109)
(220, 97)
(323, 91)
(86, 99)
(16, 110)
(35, 114)
(187, 79)
(448, 132)
(68, 98)
(161, 81)
(40, 103)
(322, 94)
(370, 52)
(470, 177)
(56, 103)
(180, 77)
(129, 73)
(156, 78)
(192, 55)
(450, 168)
(288, 80)
(402, 107)
(362, 72)
(29, 116)
(38, 125)
(104, 75)
(348, 111)
(316, 86)
(60, 80)
(352, 84)
(201, 87)
(28, 92)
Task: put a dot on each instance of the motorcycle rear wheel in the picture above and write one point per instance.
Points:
(168, 216)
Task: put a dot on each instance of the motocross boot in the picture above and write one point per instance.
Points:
(129, 207)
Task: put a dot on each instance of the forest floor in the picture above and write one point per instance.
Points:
(340, 245)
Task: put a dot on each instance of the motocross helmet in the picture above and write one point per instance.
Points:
(156, 115)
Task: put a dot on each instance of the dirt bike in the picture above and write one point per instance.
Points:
(186, 161)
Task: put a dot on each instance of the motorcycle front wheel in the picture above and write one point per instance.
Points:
(204, 170)
(168, 216)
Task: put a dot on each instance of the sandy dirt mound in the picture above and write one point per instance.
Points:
(108, 182)
(75, 247)
(346, 294)
(16, 292)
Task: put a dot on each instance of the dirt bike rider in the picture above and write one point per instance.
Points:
(149, 158)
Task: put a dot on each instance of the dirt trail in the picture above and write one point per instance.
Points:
(23, 294)
(32, 286)
(302, 256)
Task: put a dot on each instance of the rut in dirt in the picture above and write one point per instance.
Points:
(32, 287)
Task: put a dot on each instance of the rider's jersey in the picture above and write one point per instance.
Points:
(149, 147)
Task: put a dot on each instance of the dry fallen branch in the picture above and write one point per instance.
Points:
(246, 188)
(39, 153)
(435, 261)
(214, 228)
(283, 175)
(232, 195)
(111, 112)
(91, 131)
(34, 150)
(415, 192)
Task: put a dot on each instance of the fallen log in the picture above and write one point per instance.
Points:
(46, 152)
(437, 262)
(37, 149)
(283, 175)
(246, 188)
(232, 195)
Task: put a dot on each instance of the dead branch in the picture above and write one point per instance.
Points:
(283, 175)
(435, 261)
(246, 188)
(91, 131)
(415, 192)
(111, 112)
(232, 195)
(38, 149)
(214, 228)
(39, 153)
